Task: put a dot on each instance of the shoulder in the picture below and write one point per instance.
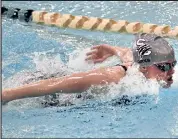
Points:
(118, 70)
(114, 73)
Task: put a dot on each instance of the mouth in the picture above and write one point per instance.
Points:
(167, 83)
(170, 79)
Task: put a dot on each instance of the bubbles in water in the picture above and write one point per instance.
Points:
(78, 63)
(48, 63)
(134, 83)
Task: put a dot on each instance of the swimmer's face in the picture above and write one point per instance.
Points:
(161, 72)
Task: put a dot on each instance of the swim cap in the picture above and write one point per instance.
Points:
(149, 49)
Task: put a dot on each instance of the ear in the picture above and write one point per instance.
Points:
(143, 69)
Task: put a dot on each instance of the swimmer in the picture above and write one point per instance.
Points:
(153, 54)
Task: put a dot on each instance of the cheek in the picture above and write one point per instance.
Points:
(159, 75)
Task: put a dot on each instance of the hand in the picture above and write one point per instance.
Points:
(100, 53)
(3, 100)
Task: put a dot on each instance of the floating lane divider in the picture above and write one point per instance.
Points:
(88, 23)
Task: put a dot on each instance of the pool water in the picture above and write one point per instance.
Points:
(134, 108)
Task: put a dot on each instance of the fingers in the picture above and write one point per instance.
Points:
(98, 60)
(96, 47)
(94, 60)
(91, 52)
(101, 45)
(88, 58)
(91, 57)
(101, 59)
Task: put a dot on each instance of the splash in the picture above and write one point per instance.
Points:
(77, 57)
(46, 66)
(134, 83)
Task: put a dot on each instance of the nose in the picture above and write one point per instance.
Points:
(171, 71)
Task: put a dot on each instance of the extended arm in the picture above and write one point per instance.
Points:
(68, 84)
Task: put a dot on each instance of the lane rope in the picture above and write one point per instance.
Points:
(88, 23)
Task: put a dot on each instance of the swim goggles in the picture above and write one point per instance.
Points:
(166, 66)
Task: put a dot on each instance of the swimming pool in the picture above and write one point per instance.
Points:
(27, 49)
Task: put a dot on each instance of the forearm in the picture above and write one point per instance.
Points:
(29, 90)
(119, 51)
(44, 87)
(125, 54)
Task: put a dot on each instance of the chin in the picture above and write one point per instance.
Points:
(167, 85)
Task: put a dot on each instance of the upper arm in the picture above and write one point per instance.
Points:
(82, 81)
(103, 76)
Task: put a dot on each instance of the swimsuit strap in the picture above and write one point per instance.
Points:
(124, 67)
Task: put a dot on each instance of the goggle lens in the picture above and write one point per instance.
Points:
(166, 66)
